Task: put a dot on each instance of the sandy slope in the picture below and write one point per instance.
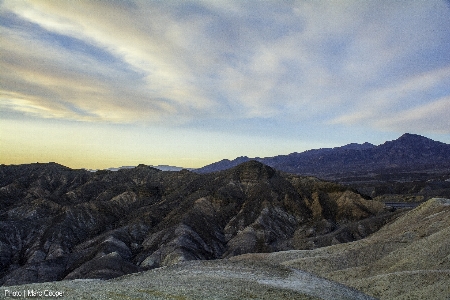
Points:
(219, 279)
(407, 259)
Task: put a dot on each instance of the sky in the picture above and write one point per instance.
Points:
(99, 84)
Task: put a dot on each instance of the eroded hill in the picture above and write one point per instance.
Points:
(57, 223)
(406, 259)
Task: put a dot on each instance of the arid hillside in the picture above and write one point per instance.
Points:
(407, 259)
(200, 279)
(58, 223)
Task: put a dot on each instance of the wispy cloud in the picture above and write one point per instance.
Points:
(415, 96)
(157, 82)
(365, 63)
(429, 117)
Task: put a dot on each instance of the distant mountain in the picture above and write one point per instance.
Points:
(410, 152)
(58, 223)
(170, 168)
(159, 167)
(117, 169)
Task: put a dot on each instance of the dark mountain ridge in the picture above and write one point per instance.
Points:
(58, 223)
(410, 152)
(411, 168)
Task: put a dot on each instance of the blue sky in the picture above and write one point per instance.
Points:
(97, 84)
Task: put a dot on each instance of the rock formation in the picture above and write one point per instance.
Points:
(58, 223)
(406, 259)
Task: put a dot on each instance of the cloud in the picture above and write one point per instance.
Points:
(403, 101)
(49, 82)
(430, 117)
(163, 87)
(346, 62)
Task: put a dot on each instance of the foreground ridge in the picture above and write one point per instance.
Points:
(406, 259)
(218, 279)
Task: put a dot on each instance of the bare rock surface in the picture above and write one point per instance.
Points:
(406, 259)
(247, 232)
(58, 223)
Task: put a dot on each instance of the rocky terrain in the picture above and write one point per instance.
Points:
(58, 223)
(411, 168)
(407, 259)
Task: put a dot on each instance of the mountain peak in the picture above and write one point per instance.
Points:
(414, 140)
(412, 136)
(253, 170)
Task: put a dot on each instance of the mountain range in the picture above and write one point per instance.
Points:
(408, 153)
(411, 168)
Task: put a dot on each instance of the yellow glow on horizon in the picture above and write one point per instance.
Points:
(82, 146)
(91, 145)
